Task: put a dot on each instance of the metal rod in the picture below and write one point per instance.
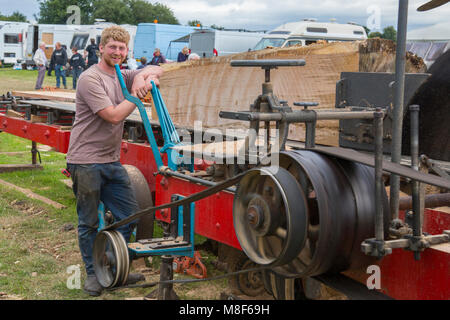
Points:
(417, 223)
(379, 225)
(400, 62)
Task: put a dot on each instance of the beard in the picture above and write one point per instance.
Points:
(109, 61)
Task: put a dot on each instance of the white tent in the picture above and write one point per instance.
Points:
(437, 32)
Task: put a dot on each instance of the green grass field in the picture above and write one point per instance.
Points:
(35, 251)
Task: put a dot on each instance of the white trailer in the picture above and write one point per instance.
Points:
(208, 42)
(50, 34)
(310, 31)
(81, 39)
(13, 40)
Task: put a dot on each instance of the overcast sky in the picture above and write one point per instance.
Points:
(267, 14)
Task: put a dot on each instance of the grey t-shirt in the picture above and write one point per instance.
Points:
(92, 139)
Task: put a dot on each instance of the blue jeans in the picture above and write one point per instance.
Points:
(76, 72)
(59, 72)
(92, 183)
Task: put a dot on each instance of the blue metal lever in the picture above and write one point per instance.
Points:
(144, 116)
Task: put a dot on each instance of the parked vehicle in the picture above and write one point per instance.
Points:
(209, 42)
(13, 42)
(50, 34)
(163, 36)
(310, 31)
(81, 39)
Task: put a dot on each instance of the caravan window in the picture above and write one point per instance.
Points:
(291, 43)
(11, 38)
(268, 42)
(79, 41)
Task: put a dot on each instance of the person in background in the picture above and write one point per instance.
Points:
(91, 53)
(183, 55)
(132, 63)
(143, 63)
(158, 58)
(59, 59)
(77, 65)
(41, 62)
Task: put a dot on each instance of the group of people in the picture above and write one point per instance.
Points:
(60, 62)
(158, 58)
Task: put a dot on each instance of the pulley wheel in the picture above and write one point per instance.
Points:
(270, 216)
(143, 196)
(111, 260)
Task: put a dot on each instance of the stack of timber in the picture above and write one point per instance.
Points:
(198, 90)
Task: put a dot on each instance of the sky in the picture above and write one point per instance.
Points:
(268, 14)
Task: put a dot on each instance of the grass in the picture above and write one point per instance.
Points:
(23, 80)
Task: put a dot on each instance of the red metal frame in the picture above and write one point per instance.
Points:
(401, 276)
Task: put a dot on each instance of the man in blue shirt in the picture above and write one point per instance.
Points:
(158, 58)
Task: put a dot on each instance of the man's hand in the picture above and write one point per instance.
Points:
(140, 87)
(141, 83)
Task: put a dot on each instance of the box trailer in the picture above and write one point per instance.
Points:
(208, 42)
(154, 35)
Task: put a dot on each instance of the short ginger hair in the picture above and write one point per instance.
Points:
(117, 33)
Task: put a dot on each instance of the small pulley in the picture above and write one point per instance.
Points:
(111, 259)
(270, 216)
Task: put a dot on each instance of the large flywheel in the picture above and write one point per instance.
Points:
(111, 259)
(330, 209)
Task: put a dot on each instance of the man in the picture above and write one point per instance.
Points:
(77, 64)
(41, 61)
(59, 60)
(91, 53)
(95, 141)
(158, 58)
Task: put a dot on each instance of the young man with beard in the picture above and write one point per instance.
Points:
(95, 140)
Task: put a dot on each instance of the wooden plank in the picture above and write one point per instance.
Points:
(33, 195)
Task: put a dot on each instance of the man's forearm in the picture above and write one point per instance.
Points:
(118, 113)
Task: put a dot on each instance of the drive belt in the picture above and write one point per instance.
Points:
(192, 198)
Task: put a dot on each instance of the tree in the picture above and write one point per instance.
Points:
(390, 33)
(143, 11)
(55, 11)
(375, 34)
(16, 16)
(213, 26)
(194, 23)
(117, 11)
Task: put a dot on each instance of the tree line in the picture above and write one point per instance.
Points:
(116, 11)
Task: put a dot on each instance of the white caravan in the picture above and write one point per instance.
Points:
(50, 34)
(208, 43)
(310, 31)
(81, 39)
(13, 41)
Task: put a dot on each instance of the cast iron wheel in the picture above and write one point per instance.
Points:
(111, 259)
(249, 283)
